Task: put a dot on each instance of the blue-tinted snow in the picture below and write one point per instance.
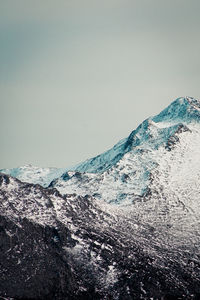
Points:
(103, 161)
(181, 111)
(129, 177)
(36, 175)
(148, 136)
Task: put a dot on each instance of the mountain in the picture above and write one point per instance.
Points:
(36, 175)
(141, 155)
(122, 225)
(150, 135)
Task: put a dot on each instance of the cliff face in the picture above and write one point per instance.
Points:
(129, 230)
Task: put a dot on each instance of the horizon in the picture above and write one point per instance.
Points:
(187, 98)
(78, 77)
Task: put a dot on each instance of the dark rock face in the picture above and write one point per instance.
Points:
(69, 247)
(32, 265)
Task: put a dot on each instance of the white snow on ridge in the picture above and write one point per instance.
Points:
(123, 174)
(131, 177)
(156, 185)
(36, 175)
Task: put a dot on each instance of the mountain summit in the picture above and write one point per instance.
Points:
(125, 172)
(157, 130)
(182, 109)
(122, 225)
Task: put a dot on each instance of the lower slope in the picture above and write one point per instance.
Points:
(74, 247)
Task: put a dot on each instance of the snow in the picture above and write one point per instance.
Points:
(182, 109)
(149, 197)
(149, 146)
(111, 277)
(36, 175)
(123, 174)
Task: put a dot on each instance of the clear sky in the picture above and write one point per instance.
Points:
(76, 76)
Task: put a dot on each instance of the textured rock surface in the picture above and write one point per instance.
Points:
(130, 232)
(70, 247)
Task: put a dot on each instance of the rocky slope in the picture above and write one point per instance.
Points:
(123, 225)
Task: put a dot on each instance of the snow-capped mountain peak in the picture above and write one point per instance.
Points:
(129, 164)
(133, 161)
(145, 247)
(181, 110)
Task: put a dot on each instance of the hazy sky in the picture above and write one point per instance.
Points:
(77, 76)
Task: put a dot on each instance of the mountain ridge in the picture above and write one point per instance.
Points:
(180, 112)
(146, 148)
(130, 232)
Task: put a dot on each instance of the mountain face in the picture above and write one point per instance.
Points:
(122, 225)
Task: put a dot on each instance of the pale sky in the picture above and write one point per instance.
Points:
(78, 76)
